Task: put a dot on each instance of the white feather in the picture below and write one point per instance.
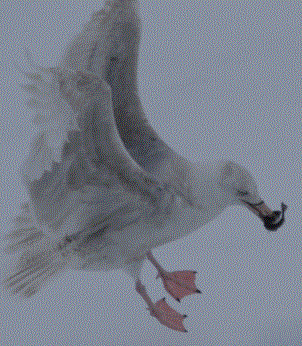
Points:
(41, 259)
(53, 115)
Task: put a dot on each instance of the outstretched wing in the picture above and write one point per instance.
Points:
(108, 46)
(82, 121)
(79, 146)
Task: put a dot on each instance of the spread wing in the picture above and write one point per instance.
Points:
(108, 46)
(78, 157)
(93, 131)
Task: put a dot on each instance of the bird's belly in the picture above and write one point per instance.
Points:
(133, 242)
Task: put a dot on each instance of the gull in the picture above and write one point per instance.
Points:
(104, 189)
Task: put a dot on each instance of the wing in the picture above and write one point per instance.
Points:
(79, 143)
(108, 46)
(79, 146)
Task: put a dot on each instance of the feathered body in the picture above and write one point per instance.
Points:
(104, 188)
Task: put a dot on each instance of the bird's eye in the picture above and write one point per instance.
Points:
(242, 193)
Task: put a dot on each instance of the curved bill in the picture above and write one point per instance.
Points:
(272, 219)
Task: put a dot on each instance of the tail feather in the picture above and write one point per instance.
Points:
(23, 238)
(24, 233)
(28, 277)
(42, 259)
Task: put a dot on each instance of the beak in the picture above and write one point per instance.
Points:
(272, 219)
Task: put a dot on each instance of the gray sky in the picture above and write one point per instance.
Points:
(217, 79)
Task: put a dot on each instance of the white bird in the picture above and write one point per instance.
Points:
(104, 188)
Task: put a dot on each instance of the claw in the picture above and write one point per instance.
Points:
(179, 284)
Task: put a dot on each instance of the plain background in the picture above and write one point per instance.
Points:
(217, 79)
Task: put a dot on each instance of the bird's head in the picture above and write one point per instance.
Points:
(240, 188)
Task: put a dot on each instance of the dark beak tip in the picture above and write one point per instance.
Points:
(273, 222)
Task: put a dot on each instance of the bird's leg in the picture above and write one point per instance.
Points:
(179, 283)
(161, 310)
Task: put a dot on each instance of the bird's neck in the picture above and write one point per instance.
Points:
(201, 186)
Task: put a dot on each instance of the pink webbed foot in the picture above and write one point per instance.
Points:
(178, 284)
(168, 316)
(162, 311)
